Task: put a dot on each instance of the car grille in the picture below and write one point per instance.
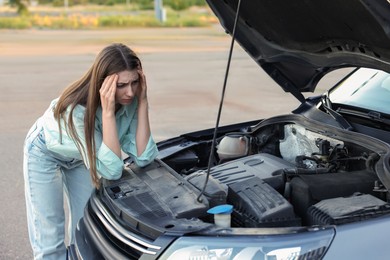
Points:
(110, 236)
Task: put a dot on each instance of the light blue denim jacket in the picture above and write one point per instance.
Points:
(109, 165)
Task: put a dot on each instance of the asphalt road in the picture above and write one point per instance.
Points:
(185, 71)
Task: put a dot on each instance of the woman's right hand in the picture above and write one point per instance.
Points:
(107, 95)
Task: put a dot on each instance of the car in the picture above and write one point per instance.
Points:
(310, 184)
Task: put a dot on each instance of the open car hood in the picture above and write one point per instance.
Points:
(298, 42)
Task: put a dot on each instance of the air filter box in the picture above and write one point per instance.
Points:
(257, 204)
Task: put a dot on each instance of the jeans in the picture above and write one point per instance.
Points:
(47, 177)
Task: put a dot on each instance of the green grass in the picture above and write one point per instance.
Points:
(15, 23)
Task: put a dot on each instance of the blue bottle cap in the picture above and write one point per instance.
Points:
(221, 209)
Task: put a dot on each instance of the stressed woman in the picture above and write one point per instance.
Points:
(80, 139)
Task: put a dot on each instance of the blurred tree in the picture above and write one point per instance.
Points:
(179, 5)
(144, 4)
(21, 8)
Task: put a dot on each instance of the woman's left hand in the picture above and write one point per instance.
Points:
(142, 89)
(143, 126)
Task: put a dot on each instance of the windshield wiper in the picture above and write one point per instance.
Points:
(371, 115)
(327, 104)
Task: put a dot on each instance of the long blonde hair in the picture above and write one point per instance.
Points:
(85, 91)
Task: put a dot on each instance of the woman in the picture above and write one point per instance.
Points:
(79, 139)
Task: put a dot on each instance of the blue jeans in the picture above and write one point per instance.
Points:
(47, 176)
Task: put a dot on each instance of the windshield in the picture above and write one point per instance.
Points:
(365, 88)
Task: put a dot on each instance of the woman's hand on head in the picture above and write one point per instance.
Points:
(142, 89)
(107, 94)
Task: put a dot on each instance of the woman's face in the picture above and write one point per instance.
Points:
(126, 87)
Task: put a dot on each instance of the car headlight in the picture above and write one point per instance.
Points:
(306, 245)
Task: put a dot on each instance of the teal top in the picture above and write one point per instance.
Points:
(108, 164)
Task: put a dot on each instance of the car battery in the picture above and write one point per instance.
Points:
(346, 210)
(307, 190)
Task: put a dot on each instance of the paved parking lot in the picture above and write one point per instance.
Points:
(185, 69)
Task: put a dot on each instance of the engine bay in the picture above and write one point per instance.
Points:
(277, 175)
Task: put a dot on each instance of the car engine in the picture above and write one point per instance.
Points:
(278, 175)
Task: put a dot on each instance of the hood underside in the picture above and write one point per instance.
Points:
(298, 42)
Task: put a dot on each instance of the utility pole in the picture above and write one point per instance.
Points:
(66, 5)
(160, 11)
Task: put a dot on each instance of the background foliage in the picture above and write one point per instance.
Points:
(141, 4)
(92, 14)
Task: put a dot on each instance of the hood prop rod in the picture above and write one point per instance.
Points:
(211, 156)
